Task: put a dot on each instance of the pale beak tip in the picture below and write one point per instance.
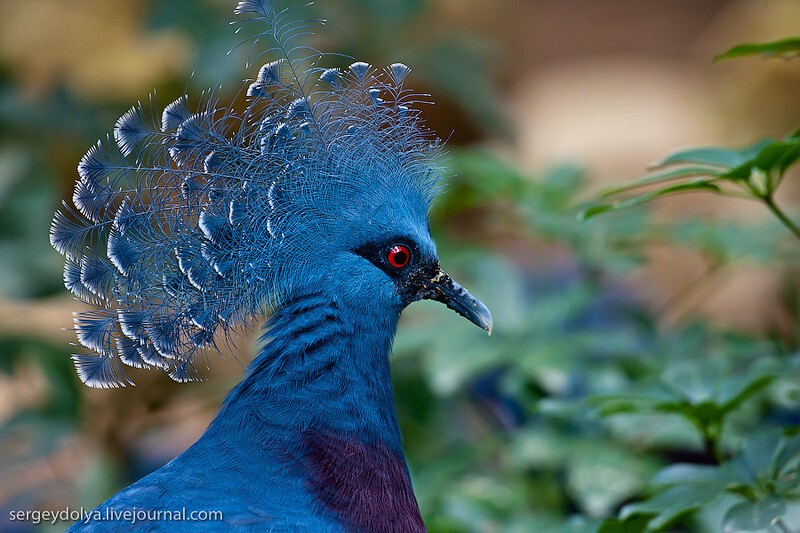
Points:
(485, 316)
(445, 290)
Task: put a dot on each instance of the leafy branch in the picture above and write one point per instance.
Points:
(763, 476)
(753, 172)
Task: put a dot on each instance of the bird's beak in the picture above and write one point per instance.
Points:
(444, 289)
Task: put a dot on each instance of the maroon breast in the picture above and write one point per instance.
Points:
(366, 486)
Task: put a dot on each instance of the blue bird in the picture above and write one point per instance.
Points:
(309, 208)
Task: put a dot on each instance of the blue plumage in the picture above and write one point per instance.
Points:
(310, 207)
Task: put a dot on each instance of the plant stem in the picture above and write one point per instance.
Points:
(712, 443)
(711, 439)
(778, 212)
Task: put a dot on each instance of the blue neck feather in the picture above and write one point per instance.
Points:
(316, 415)
(325, 367)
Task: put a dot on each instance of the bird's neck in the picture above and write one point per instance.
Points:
(314, 418)
(324, 368)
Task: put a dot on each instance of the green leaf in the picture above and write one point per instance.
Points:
(661, 177)
(758, 453)
(783, 47)
(691, 474)
(715, 156)
(787, 454)
(541, 448)
(600, 476)
(700, 184)
(753, 516)
(739, 172)
(608, 405)
(589, 212)
(713, 381)
(777, 156)
(668, 505)
(740, 389)
(632, 524)
(694, 185)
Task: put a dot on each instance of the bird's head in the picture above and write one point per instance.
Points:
(208, 218)
(352, 213)
(388, 258)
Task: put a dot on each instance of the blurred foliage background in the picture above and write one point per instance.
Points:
(644, 372)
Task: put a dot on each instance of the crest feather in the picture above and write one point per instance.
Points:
(198, 220)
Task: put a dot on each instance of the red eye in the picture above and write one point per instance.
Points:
(398, 256)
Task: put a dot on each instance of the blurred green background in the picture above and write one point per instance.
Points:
(644, 370)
